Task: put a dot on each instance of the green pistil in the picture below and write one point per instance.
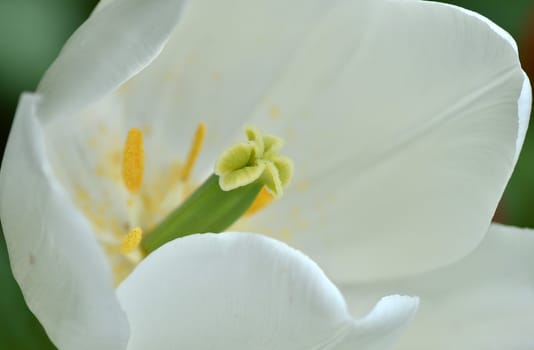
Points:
(240, 174)
(255, 160)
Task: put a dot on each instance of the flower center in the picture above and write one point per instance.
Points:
(132, 178)
(242, 173)
(248, 176)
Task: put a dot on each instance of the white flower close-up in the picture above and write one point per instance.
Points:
(391, 128)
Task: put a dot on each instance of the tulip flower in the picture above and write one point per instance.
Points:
(403, 121)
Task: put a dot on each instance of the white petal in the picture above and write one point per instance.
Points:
(245, 291)
(217, 66)
(55, 259)
(115, 43)
(524, 108)
(525, 99)
(404, 120)
(484, 301)
(406, 110)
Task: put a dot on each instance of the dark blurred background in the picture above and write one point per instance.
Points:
(33, 31)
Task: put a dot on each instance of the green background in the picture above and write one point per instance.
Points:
(31, 34)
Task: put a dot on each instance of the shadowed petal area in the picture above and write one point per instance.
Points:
(55, 259)
(482, 302)
(246, 291)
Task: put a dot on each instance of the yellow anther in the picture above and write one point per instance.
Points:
(133, 160)
(196, 147)
(263, 199)
(131, 241)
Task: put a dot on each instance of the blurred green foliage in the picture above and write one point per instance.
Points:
(512, 15)
(33, 31)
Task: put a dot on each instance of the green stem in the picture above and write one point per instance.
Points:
(208, 209)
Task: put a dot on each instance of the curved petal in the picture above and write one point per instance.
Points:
(484, 301)
(182, 87)
(216, 68)
(245, 291)
(115, 43)
(524, 105)
(404, 128)
(525, 99)
(61, 270)
(412, 111)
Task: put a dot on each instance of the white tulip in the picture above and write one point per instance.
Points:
(404, 120)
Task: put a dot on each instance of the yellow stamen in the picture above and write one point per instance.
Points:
(263, 199)
(196, 146)
(131, 241)
(133, 160)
